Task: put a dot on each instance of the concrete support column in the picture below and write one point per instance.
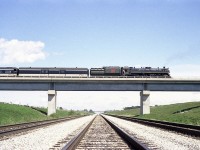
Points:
(51, 102)
(144, 102)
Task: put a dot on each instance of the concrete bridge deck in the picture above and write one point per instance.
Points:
(98, 84)
(145, 85)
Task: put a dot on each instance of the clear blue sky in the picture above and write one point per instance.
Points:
(95, 33)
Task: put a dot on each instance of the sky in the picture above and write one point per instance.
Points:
(96, 33)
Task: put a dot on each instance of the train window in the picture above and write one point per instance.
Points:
(7, 71)
(62, 71)
(44, 71)
(54, 72)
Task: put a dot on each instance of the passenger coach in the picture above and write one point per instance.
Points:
(34, 71)
(9, 71)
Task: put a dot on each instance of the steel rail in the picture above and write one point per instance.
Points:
(19, 128)
(26, 123)
(177, 127)
(75, 141)
(132, 142)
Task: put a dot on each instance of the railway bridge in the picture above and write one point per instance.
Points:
(54, 84)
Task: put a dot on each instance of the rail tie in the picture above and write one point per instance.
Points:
(129, 139)
(78, 141)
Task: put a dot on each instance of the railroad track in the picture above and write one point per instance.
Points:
(9, 130)
(100, 133)
(177, 127)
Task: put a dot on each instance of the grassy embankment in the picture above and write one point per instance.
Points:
(188, 113)
(12, 114)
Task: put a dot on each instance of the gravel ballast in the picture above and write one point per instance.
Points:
(44, 138)
(157, 138)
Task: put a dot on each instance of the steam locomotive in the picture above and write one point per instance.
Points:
(85, 72)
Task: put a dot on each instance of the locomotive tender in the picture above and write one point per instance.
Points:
(85, 72)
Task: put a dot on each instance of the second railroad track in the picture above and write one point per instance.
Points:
(11, 130)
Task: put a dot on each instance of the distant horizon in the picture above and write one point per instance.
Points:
(58, 107)
(77, 100)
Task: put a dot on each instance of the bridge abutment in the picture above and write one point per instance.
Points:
(51, 102)
(144, 102)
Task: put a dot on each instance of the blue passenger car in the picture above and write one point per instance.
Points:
(9, 71)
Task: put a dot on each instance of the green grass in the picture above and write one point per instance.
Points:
(12, 114)
(172, 113)
(64, 113)
(129, 112)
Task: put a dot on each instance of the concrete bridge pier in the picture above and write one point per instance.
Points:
(51, 102)
(144, 102)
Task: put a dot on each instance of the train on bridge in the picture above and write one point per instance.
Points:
(108, 71)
